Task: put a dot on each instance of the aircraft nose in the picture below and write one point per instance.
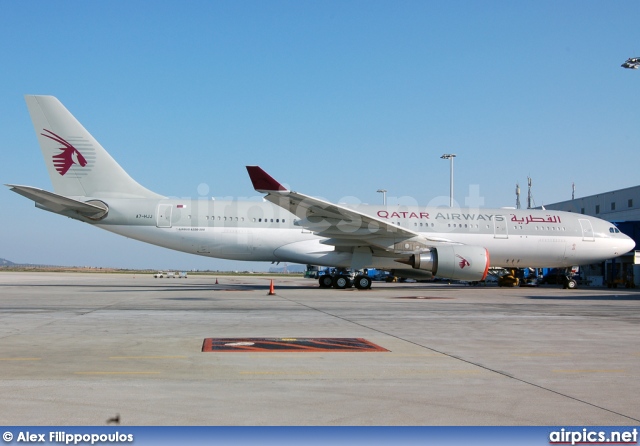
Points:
(628, 244)
(624, 245)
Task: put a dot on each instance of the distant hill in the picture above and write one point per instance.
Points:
(5, 262)
(290, 269)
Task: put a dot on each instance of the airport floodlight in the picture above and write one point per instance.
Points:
(450, 156)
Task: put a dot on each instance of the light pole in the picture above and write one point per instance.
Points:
(384, 196)
(450, 156)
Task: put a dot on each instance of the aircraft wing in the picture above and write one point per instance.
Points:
(341, 225)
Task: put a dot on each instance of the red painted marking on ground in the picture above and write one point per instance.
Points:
(290, 345)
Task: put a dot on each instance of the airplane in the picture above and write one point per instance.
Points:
(632, 63)
(412, 242)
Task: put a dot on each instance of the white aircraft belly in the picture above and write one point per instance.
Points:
(229, 243)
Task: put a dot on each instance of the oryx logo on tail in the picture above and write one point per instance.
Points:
(68, 157)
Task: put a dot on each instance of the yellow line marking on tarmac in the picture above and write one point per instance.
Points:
(542, 354)
(116, 373)
(441, 372)
(418, 355)
(280, 373)
(20, 359)
(591, 371)
(147, 357)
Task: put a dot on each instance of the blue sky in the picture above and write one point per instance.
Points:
(335, 98)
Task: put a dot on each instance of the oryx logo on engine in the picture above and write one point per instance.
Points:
(69, 155)
(463, 262)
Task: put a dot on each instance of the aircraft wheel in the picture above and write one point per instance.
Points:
(572, 284)
(325, 281)
(341, 282)
(362, 282)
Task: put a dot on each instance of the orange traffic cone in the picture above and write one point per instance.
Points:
(272, 291)
(216, 281)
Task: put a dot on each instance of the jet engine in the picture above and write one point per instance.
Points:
(458, 262)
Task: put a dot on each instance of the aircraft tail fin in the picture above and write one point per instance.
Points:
(78, 165)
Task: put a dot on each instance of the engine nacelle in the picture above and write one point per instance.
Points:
(458, 262)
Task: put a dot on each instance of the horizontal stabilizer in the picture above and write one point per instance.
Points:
(61, 204)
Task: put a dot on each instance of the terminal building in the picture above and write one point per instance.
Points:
(621, 207)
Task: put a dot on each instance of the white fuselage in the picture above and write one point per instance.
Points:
(261, 231)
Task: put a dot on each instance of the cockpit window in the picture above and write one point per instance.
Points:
(614, 230)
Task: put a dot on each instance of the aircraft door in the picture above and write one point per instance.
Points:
(163, 217)
(587, 230)
(500, 229)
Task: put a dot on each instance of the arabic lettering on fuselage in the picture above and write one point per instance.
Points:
(531, 219)
(440, 216)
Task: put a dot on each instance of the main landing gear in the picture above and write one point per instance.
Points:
(362, 282)
(342, 280)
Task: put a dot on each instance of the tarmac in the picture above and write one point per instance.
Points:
(82, 349)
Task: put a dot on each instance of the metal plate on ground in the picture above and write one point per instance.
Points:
(290, 345)
(423, 297)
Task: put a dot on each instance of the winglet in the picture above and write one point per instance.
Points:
(263, 182)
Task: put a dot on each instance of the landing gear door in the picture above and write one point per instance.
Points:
(587, 230)
(164, 216)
